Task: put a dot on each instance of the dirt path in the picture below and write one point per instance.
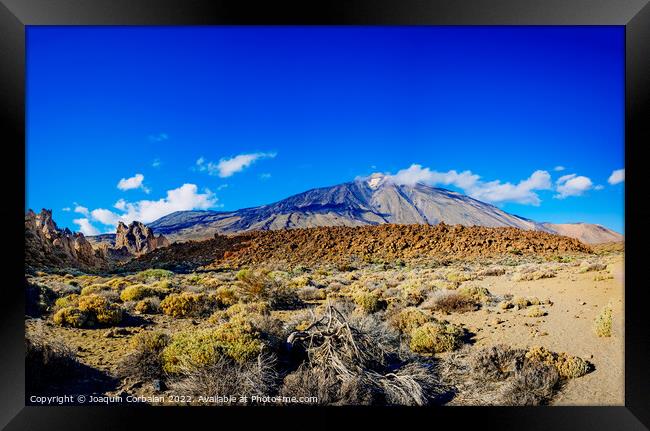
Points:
(568, 327)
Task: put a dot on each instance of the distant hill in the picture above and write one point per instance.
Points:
(372, 201)
(585, 232)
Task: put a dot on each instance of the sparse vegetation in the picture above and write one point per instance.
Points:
(369, 302)
(436, 337)
(363, 332)
(603, 323)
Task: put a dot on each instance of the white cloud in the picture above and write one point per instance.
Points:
(105, 216)
(618, 176)
(120, 204)
(135, 182)
(265, 176)
(156, 163)
(81, 210)
(185, 197)
(492, 191)
(559, 168)
(564, 178)
(226, 167)
(85, 226)
(158, 137)
(572, 185)
(599, 187)
(66, 209)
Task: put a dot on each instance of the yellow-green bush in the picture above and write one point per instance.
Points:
(118, 283)
(521, 302)
(300, 281)
(408, 319)
(70, 316)
(241, 309)
(187, 304)
(94, 288)
(150, 341)
(225, 296)
(258, 285)
(505, 305)
(476, 293)
(154, 273)
(567, 366)
(536, 312)
(460, 277)
(148, 306)
(195, 349)
(436, 337)
(71, 300)
(139, 291)
(369, 302)
(100, 310)
(603, 323)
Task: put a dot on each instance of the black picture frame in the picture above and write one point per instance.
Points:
(15, 15)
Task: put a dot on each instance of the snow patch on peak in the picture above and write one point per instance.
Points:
(375, 180)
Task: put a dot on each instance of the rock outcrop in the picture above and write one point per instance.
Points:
(138, 238)
(48, 246)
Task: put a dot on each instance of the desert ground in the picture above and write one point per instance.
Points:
(513, 328)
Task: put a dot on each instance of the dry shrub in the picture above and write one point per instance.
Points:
(534, 384)
(311, 293)
(145, 359)
(436, 337)
(47, 360)
(260, 286)
(603, 322)
(450, 301)
(589, 267)
(498, 375)
(352, 360)
(228, 378)
(492, 271)
(534, 275)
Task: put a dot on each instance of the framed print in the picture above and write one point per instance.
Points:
(370, 209)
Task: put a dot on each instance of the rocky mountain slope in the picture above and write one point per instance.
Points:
(372, 201)
(355, 245)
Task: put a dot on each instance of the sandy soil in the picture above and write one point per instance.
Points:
(568, 327)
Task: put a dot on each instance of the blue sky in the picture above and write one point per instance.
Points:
(135, 122)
